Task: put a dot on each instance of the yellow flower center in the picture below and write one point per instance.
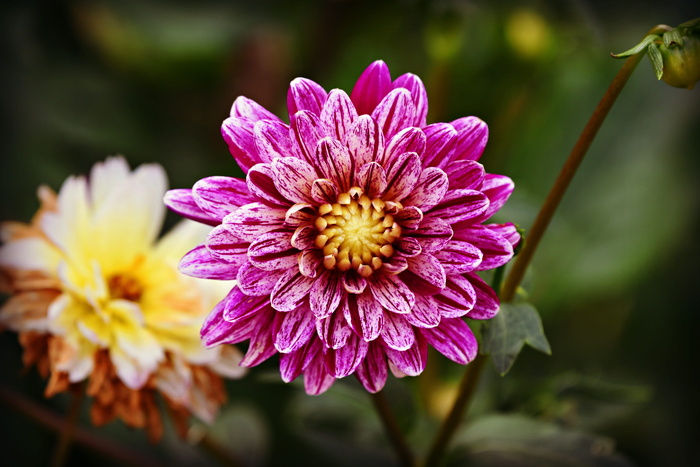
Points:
(357, 232)
(125, 287)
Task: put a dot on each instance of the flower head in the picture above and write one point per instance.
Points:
(357, 235)
(96, 297)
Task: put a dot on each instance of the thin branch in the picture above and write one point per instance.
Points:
(393, 430)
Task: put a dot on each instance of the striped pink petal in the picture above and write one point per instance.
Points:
(372, 372)
(252, 220)
(296, 328)
(257, 282)
(199, 262)
(487, 303)
(182, 202)
(219, 196)
(273, 250)
(272, 140)
(291, 289)
(373, 84)
(261, 183)
(292, 363)
(412, 361)
(457, 298)
(249, 109)
(440, 141)
(460, 205)
(238, 134)
(420, 96)
(403, 176)
(433, 234)
(316, 379)
(465, 174)
(425, 312)
(326, 293)
(305, 94)
(293, 178)
(459, 256)
(496, 250)
(395, 112)
(241, 306)
(365, 141)
(453, 339)
(333, 162)
(342, 362)
(409, 139)
(425, 275)
(397, 332)
(223, 246)
(472, 135)
(333, 330)
(338, 114)
(391, 292)
(364, 315)
(430, 189)
(305, 131)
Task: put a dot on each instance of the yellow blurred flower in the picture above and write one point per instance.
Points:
(96, 296)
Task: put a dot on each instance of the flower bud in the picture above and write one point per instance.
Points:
(681, 62)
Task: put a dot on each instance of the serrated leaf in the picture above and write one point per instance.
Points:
(657, 60)
(506, 333)
(673, 36)
(639, 47)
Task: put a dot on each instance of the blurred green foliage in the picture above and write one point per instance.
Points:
(614, 278)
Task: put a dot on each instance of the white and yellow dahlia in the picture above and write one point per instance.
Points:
(97, 297)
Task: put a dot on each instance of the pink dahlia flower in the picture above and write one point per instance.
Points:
(356, 237)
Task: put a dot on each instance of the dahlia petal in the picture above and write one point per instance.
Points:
(240, 306)
(316, 379)
(440, 142)
(272, 140)
(409, 217)
(249, 109)
(454, 339)
(395, 112)
(300, 214)
(409, 139)
(291, 289)
(261, 184)
(326, 293)
(365, 141)
(458, 257)
(430, 189)
(425, 313)
(304, 237)
(394, 265)
(353, 283)
(433, 234)
(373, 84)
(296, 329)
(457, 298)
(408, 246)
(342, 362)
(305, 94)
(223, 246)
(261, 346)
(364, 314)
(182, 202)
(272, 251)
(425, 275)
(252, 220)
(391, 293)
(487, 302)
(372, 179)
(305, 131)
(310, 262)
(238, 134)
(460, 205)
(412, 361)
(465, 174)
(219, 196)
(338, 114)
(403, 176)
(397, 332)
(332, 160)
(255, 281)
(324, 191)
(472, 135)
(199, 262)
(498, 188)
(420, 96)
(215, 329)
(293, 178)
(292, 363)
(509, 231)
(372, 372)
(333, 330)
(496, 250)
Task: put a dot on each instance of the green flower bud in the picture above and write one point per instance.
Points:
(681, 62)
(675, 56)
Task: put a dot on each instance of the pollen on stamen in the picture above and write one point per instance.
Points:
(356, 232)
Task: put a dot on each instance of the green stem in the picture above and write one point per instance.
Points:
(67, 431)
(87, 439)
(517, 271)
(467, 388)
(556, 193)
(392, 429)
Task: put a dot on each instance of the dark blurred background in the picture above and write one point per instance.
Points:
(615, 278)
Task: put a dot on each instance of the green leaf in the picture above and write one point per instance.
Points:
(639, 47)
(657, 60)
(673, 36)
(506, 333)
(518, 441)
